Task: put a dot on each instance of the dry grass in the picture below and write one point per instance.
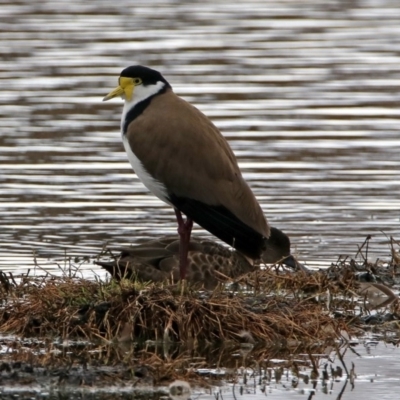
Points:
(275, 308)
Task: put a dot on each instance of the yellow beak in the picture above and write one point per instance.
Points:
(125, 89)
(116, 92)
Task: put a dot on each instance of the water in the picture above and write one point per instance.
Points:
(373, 366)
(307, 94)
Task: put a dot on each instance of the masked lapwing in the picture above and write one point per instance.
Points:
(182, 158)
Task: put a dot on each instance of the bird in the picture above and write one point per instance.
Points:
(183, 159)
(208, 261)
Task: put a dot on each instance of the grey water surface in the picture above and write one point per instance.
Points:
(307, 93)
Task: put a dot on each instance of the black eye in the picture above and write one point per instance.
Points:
(137, 81)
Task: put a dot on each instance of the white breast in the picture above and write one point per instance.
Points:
(141, 93)
(152, 184)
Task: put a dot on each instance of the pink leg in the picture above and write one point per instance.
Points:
(184, 230)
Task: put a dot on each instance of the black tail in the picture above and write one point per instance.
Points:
(117, 270)
(223, 224)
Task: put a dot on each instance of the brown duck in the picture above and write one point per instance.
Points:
(158, 260)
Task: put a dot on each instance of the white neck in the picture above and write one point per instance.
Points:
(140, 93)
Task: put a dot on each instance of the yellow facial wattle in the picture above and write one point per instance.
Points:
(125, 88)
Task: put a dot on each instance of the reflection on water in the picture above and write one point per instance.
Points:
(372, 365)
(367, 369)
(306, 92)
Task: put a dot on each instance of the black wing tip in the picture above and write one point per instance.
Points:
(223, 224)
(252, 246)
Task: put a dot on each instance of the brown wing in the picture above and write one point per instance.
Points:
(180, 147)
